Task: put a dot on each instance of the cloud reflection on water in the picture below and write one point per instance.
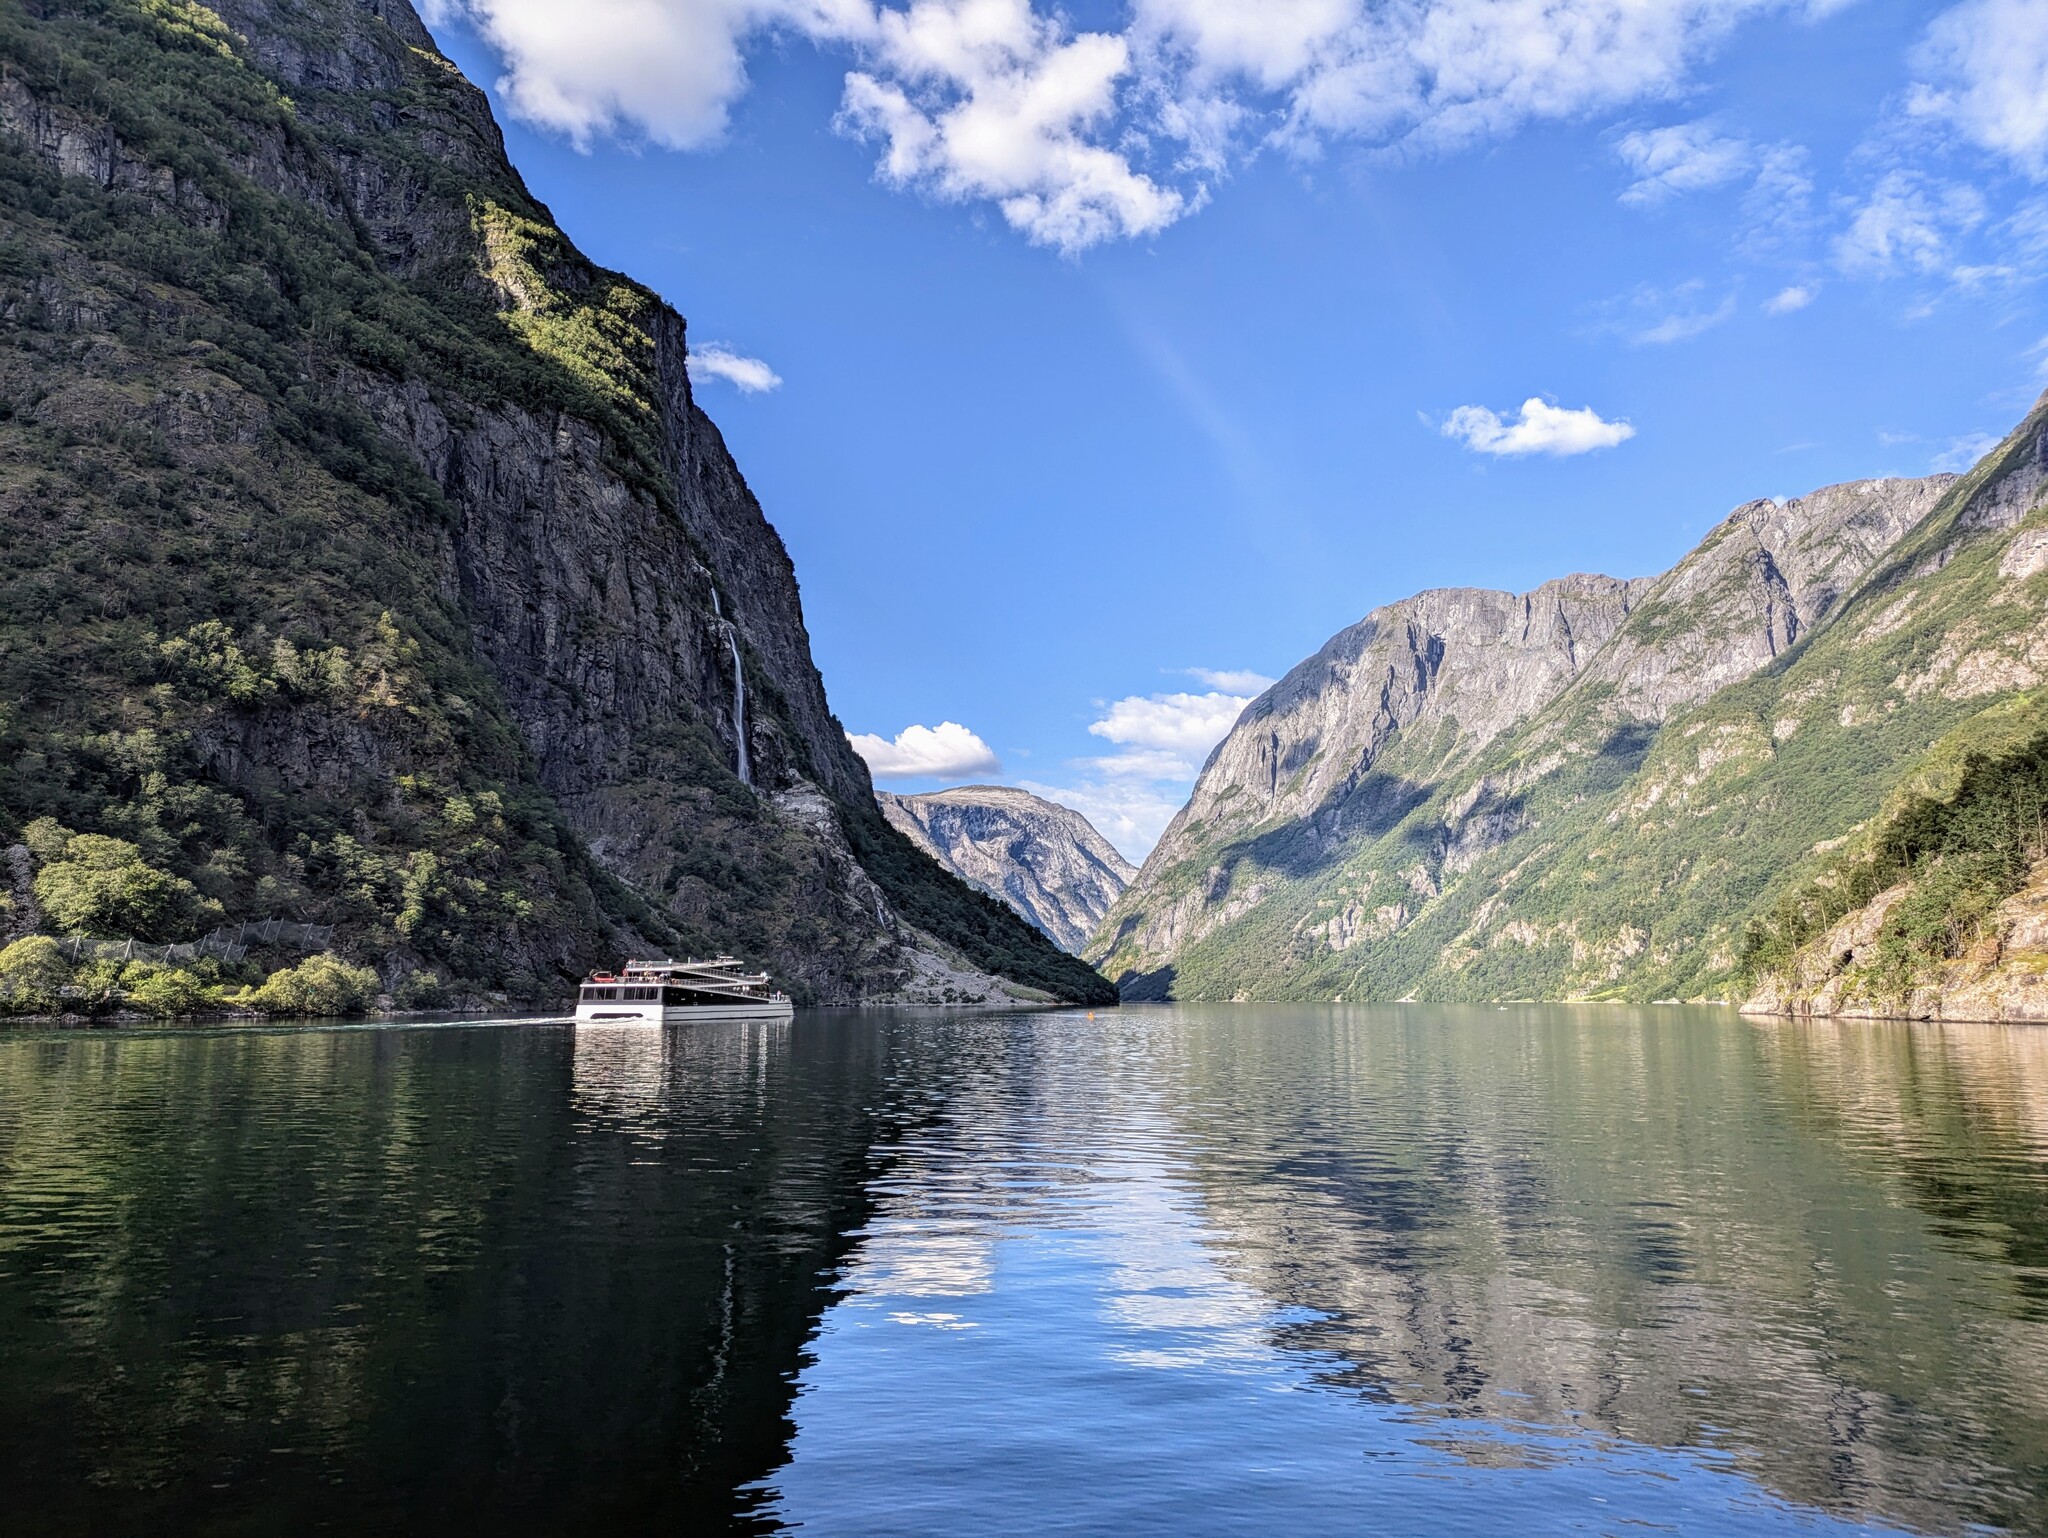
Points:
(1607, 1250)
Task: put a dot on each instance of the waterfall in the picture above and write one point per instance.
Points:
(739, 685)
(739, 704)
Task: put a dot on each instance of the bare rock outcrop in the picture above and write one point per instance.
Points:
(2002, 977)
(1045, 860)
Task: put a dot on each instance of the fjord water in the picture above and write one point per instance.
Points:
(1190, 1269)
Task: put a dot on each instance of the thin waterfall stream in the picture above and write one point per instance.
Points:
(739, 689)
(739, 704)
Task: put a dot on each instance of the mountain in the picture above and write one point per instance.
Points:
(1597, 788)
(369, 560)
(1044, 860)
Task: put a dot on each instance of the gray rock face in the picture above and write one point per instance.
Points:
(1390, 711)
(1765, 576)
(594, 553)
(1045, 860)
(1445, 672)
(597, 608)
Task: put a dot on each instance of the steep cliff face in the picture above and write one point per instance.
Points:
(371, 560)
(1767, 575)
(1599, 815)
(1044, 860)
(1442, 673)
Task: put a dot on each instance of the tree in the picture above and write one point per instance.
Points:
(103, 886)
(32, 971)
(164, 992)
(319, 985)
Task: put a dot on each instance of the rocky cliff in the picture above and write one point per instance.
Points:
(1044, 860)
(1936, 907)
(368, 557)
(1590, 789)
(2000, 974)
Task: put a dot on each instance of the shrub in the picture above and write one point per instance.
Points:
(47, 839)
(31, 973)
(165, 992)
(319, 985)
(420, 990)
(93, 987)
(101, 885)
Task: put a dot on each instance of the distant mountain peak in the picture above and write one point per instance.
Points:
(1045, 860)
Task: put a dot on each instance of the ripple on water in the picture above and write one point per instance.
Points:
(1199, 1269)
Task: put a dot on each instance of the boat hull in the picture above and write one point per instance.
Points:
(619, 1012)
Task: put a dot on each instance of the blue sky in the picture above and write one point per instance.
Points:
(1097, 364)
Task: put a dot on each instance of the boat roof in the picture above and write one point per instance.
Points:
(724, 964)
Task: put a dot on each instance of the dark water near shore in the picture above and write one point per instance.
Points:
(1292, 1270)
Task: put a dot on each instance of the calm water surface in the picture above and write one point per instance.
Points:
(1192, 1270)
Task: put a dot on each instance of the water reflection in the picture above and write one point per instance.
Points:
(1788, 1268)
(528, 1280)
(1630, 1226)
(1198, 1269)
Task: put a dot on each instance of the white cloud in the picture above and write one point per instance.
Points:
(666, 70)
(1131, 795)
(1448, 72)
(715, 360)
(1964, 452)
(948, 751)
(1786, 300)
(2025, 234)
(1779, 203)
(1083, 136)
(988, 99)
(1908, 222)
(1685, 323)
(1777, 206)
(1185, 724)
(1142, 764)
(1988, 63)
(1686, 157)
(1539, 428)
(1648, 315)
(1231, 680)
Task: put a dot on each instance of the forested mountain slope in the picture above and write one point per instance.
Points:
(1591, 790)
(367, 558)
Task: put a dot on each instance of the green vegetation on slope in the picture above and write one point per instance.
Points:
(248, 567)
(227, 636)
(1626, 858)
(983, 929)
(1965, 830)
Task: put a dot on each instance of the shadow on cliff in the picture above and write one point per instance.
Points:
(1375, 806)
(1154, 987)
(1382, 806)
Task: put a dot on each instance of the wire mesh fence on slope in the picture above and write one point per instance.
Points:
(229, 944)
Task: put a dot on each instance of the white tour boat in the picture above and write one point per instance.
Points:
(673, 992)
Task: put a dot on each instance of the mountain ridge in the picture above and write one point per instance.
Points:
(1045, 860)
(1424, 854)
